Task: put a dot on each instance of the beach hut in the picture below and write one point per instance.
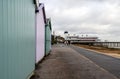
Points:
(40, 32)
(48, 30)
(17, 39)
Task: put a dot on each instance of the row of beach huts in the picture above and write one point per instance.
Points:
(25, 37)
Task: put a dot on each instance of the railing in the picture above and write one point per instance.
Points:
(108, 44)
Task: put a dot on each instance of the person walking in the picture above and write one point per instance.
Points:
(68, 42)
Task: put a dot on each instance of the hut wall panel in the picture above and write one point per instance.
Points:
(48, 39)
(40, 36)
(17, 38)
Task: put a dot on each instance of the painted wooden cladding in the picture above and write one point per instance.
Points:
(40, 34)
(17, 38)
(48, 37)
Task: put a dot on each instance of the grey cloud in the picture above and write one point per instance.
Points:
(86, 16)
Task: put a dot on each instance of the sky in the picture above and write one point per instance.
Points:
(92, 17)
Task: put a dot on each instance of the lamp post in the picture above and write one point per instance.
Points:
(66, 34)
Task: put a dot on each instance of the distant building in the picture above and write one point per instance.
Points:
(77, 39)
(59, 39)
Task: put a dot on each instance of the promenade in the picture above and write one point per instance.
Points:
(66, 63)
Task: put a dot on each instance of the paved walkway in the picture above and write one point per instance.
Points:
(65, 63)
(107, 62)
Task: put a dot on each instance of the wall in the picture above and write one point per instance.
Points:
(48, 38)
(17, 38)
(40, 35)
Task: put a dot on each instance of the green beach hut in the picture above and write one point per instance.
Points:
(48, 31)
(17, 38)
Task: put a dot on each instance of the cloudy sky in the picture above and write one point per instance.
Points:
(92, 17)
